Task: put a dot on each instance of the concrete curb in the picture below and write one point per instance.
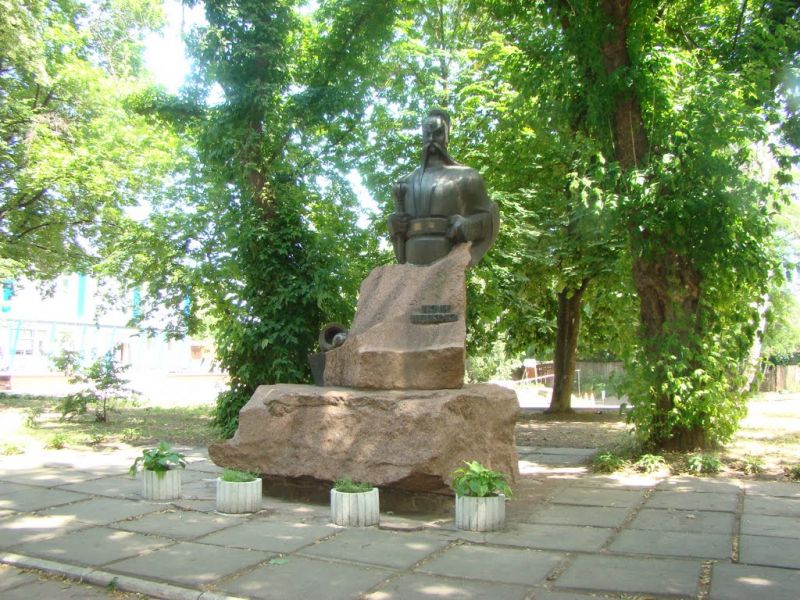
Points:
(102, 578)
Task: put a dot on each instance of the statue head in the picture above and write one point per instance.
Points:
(436, 128)
(436, 136)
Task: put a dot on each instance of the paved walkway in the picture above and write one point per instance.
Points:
(570, 536)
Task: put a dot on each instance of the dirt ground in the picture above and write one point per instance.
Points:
(584, 429)
(766, 445)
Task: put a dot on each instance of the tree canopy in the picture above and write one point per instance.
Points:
(639, 151)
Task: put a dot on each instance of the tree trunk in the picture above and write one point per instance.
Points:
(669, 294)
(668, 285)
(568, 325)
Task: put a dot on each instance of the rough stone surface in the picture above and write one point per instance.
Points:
(385, 350)
(409, 440)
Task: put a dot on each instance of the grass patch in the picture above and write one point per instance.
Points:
(134, 425)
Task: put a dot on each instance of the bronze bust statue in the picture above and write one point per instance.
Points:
(440, 204)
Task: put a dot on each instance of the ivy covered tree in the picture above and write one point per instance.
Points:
(695, 104)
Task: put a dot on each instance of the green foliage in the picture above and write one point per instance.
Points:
(32, 414)
(10, 449)
(703, 464)
(159, 459)
(477, 480)
(752, 465)
(650, 463)
(793, 472)
(608, 461)
(235, 476)
(348, 486)
(496, 364)
(72, 158)
(57, 441)
(104, 386)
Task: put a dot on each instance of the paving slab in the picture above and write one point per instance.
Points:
(188, 563)
(178, 524)
(770, 551)
(11, 577)
(673, 543)
(697, 521)
(101, 511)
(547, 595)
(580, 538)
(47, 477)
(688, 483)
(53, 588)
(773, 488)
(93, 546)
(377, 547)
(503, 565)
(748, 582)
(20, 528)
(693, 501)
(770, 505)
(118, 486)
(620, 481)
(425, 587)
(565, 514)
(589, 496)
(632, 575)
(33, 498)
(273, 536)
(301, 577)
(770, 525)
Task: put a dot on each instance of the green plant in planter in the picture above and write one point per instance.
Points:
(160, 459)
(477, 480)
(234, 476)
(348, 486)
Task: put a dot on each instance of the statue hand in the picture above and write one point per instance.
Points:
(457, 231)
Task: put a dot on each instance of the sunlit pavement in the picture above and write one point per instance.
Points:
(570, 535)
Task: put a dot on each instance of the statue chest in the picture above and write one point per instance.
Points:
(434, 194)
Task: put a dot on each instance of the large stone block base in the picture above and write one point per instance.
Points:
(409, 440)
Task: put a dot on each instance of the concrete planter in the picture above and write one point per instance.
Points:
(360, 509)
(167, 487)
(238, 496)
(481, 514)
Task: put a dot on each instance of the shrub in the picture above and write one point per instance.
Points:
(104, 386)
(348, 486)
(235, 476)
(56, 442)
(752, 465)
(703, 464)
(608, 462)
(159, 459)
(793, 472)
(650, 463)
(477, 480)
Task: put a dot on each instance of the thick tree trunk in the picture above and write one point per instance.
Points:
(668, 285)
(669, 294)
(567, 328)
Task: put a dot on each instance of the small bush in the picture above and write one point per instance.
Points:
(752, 465)
(57, 442)
(235, 476)
(159, 459)
(10, 448)
(703, 464)
(608, 462)
(650, 463)
(793, 472)
(348, 486)
(476, 480)
(31, 415)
